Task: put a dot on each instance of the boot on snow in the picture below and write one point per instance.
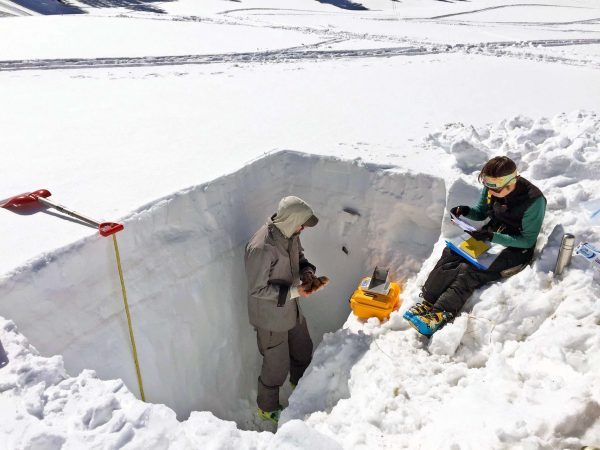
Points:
(430, 322)
(273, 416)
(418, 309)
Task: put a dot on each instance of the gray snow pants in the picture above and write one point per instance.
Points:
(453, 279)
(283, 353)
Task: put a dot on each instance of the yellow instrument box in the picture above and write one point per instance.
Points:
(375, 297)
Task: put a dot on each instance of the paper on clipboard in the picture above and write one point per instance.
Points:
(461, 223)
(484, 260)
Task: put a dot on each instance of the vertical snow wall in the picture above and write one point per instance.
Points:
(183, 266)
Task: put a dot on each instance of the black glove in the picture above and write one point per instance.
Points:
(307, 277)
(460, 210)
(482, 235)
(316, 284)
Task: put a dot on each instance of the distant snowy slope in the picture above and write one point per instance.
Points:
(46, 7)
(9, 8)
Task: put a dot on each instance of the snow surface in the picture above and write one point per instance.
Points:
(387, 113)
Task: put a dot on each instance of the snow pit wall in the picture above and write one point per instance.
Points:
(183, 266)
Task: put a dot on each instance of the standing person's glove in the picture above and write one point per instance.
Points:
(482, 235)
(314, 284)
(306, 277)
(460, 210)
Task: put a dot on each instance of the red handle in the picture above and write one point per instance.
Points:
(41, 193)
(27, 200)
(108, 228)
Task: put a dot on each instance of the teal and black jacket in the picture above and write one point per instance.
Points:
(516, 219)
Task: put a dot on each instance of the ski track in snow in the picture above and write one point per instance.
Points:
(499, 7)
(279, 10)
(294, 54)
(408, 47)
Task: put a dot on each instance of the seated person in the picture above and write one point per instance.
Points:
(516, 211)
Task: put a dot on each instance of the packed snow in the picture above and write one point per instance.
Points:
(381, 119)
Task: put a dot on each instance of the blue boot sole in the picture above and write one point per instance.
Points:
(418, 325)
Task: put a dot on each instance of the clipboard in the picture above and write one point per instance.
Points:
(484, 259)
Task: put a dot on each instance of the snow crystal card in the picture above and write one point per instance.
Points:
(474, 247)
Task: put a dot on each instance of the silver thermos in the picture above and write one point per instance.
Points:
(564, 254)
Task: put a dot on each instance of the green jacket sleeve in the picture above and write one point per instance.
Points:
(478, 212)
(531, 225)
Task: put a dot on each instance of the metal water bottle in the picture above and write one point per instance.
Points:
(564, 254)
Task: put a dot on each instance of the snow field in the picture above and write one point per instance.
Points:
(183, 264)
(518, 369)
(123, 37)
(128, 137)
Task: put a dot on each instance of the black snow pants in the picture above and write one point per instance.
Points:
(453, 279)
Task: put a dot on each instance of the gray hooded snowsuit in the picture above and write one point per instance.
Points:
(274, 263)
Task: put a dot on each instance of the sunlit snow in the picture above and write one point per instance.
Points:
(189, 120)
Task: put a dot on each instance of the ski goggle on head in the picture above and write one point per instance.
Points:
(496, 184)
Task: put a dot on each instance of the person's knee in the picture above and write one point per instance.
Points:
(465, 267)
(300, 342)
(303, 353)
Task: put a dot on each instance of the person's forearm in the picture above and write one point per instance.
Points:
(514, 241)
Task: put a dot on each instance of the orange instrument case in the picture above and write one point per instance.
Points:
(375, 297)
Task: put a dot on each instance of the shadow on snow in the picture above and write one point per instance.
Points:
(345, 4)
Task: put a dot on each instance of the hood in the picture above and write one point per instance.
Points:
(291, 214)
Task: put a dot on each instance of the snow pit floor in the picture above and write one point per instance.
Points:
(183, 266)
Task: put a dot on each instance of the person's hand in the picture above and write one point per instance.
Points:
(315, 284)
(460, 210)
(302, 292)
(319, 283)
(307, 277)
(482, 235)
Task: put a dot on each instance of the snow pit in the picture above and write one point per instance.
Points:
(183, 266)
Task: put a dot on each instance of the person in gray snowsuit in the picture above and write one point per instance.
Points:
(278, 274)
